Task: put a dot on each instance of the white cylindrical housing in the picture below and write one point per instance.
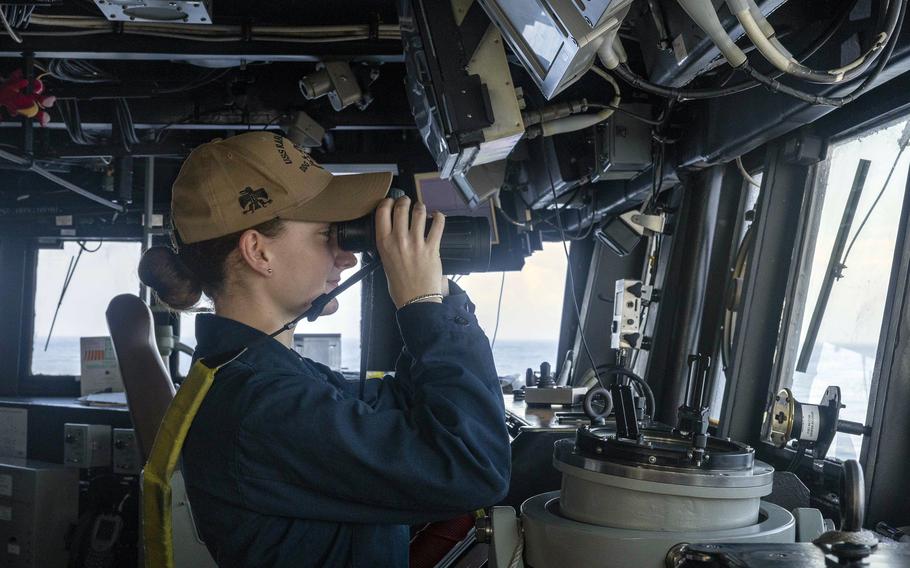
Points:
(623, 502)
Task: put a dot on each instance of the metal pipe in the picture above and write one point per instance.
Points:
(30, 166)
(28, 128)
(854, 428)
(147, 217)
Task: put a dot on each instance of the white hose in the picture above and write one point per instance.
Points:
(612, 54)
(582, 121)
(574, 123)
(746, 176)
(761, 42)
(762, 35)
(9, 28)
(704, 15)
(768, 29)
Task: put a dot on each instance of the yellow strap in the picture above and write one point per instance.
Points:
(156, 477)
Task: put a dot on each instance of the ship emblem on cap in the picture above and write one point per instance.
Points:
(252, 199)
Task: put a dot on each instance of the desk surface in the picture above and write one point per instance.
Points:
(55, 401)
(546, 416)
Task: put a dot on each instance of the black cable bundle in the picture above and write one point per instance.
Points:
(78, 71)
(126, 129)
(69, 111)
(86, 72)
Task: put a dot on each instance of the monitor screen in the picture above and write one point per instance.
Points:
(536, 27)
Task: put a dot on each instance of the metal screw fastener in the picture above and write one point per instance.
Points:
(652, 459)
(483, 529)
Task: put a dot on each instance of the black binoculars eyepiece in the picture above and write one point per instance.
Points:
(465, 245)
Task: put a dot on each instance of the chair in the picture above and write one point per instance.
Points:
(149, 391)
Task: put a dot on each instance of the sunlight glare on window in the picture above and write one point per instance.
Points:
(98, 277)
(531, 309)
(845, 351)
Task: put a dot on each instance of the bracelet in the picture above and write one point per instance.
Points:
(422, 297)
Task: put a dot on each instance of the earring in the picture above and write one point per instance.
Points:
(269, 270)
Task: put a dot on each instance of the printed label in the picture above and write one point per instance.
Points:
(811, 422)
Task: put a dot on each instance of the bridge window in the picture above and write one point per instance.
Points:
(531, 308)
(81, 279)
(845, 349)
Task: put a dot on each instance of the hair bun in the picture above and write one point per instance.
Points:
(175, 285)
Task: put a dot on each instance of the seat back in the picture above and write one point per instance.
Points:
(148, 385)
(149, 392)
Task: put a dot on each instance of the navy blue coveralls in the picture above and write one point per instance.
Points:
(285, 466)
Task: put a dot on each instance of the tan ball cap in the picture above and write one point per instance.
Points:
(229, 185)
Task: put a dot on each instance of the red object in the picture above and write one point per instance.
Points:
(435, 540)
(17, 102)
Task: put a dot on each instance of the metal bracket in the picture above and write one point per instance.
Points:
(506, 548)
(650, 224)
(805, 150)
(29, 165)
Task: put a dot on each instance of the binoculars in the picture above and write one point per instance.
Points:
(464, 248)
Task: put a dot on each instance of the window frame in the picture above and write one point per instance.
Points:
(28, 383)
(796, 297)
(780, 210)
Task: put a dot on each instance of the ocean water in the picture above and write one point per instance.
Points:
(511, 356)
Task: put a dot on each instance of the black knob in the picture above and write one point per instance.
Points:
(530, 379)
(546, 380)
(853, 497)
